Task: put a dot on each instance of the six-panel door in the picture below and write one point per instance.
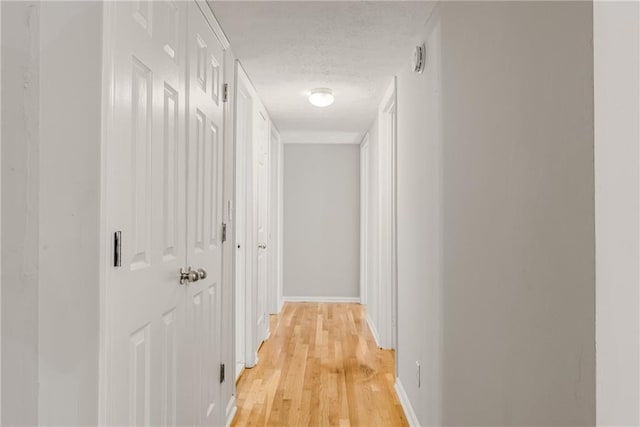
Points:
(261, 192)
(164, 184)
(204, 213)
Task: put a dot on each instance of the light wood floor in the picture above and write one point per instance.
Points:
(321, 366)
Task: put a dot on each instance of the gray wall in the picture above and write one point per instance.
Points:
(321, 220)
(617, 109)
(69, 204)
(20, 151)
(51, 51)
(496, 280)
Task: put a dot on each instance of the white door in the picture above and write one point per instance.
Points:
(261, 199)
(164, 132)
(145, 304)
(243, 138)
(387, 244)
(204, 215)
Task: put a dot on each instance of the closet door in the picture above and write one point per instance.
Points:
(146, 313)
(261, 220)
(204, 214)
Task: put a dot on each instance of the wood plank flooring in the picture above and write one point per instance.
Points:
(321, 366)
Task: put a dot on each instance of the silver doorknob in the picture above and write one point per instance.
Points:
(193, 276)
(262, 246)
(202, 273)
(188, 276)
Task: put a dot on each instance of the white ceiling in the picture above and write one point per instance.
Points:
(352, 47)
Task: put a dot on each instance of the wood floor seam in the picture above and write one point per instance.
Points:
(321, 367)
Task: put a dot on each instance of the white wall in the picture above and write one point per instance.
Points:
(321, 221)
(0, 217)
(420, 230)
(69, 212)
(52, 54)
(20, 150)
(518, 214)
(617, 135)
(496, 218)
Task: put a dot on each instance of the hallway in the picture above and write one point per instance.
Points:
(296, 213)
(321, 366)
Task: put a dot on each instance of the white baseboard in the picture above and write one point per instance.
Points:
(322, 299)
(247, 363)
(231, 411)
(280, 304)
(374, 331)
(239, 368)
(406, 405)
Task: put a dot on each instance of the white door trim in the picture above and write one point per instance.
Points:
(260, 208)
(253, 336)
(239, 225)
(213, 23)
(280, 227)
(364, 218)
(244, 165)
(387, 241)
(275, 213)
(0, 217)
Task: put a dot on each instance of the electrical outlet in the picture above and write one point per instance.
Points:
(418, 373)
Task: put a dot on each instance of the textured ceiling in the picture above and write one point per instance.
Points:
(352, 47)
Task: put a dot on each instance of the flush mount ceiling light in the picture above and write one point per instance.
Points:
(321, 97)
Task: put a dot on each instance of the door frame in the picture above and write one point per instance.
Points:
(274, 294)
(0, 214)
(227, 316)
(387, 224)
(252, 336)
(260, 305)
(243, 218)
(106, 249)
(364, 218)
(239, 354)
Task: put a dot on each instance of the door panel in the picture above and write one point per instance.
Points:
(243, 138)
(164, 193)
(145, 200)
(204, 213)
(261, 184)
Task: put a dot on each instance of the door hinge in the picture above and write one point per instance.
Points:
(225, 92)
(224, 232)
(117, 249)
(221, 373)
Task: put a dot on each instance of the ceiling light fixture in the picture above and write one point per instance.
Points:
(321, 97)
